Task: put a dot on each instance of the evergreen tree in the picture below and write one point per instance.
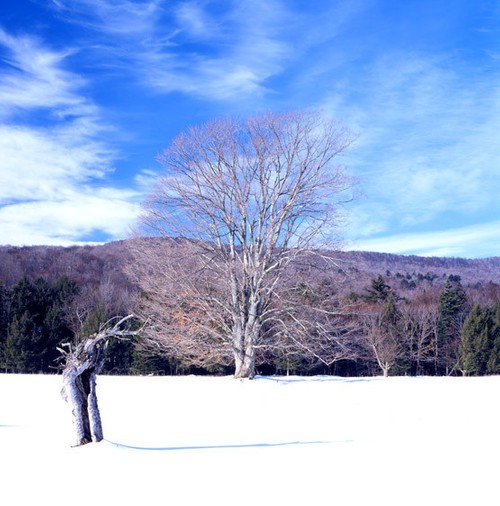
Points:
(35, 323)
(391, 328)
(55, 331)
(477, 341)
(452, 308)
(4, 321)
(56, 328)
(41, 299)
(65, 289)
(379, 291)
(391, 316)
(21, 298)
(19, 351)
(493, 365)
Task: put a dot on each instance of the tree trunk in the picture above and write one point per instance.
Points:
(83, 364)
(79, 390)
(245, 364)
(244, 358)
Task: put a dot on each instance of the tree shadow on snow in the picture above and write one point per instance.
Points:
(217, 447)
(315, 379)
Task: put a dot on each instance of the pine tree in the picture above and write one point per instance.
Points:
(493, 365)
(378, 291)
(391, 316)
(452, 311)
(4, 322)
(20, 342)
(55, 331)
(65, 289)
(36, 325)
(476, 345)
(391, 328)
(21, 299)
(19, 354)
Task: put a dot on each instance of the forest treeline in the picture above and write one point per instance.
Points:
(371, 314)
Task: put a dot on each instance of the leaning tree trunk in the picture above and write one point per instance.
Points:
(79, 389)
(79, 380)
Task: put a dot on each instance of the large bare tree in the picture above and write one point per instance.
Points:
(250, 197)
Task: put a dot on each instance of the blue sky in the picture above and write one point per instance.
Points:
(91, 91)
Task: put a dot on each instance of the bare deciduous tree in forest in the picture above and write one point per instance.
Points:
(381, 331)
(251, 196)
(319, 327)
(420, 321)
(383, 346)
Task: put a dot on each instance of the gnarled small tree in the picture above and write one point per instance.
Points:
(82, 364)
(251, 196)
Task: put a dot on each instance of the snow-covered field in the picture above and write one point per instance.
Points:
(269, 441)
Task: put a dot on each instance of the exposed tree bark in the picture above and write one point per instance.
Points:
(244, 358)
(79, 378)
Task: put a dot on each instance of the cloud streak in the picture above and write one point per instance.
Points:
(229, 55)
(455, 242)
(121, 18)
(33, 78)
(74, 220)
(52, 175)
(428, 150)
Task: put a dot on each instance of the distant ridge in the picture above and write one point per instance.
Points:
(91, 263)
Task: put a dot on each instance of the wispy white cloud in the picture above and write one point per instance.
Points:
(237, 58)
(41, 164)
(230, 54)
(121, 18)
(471, 241)
(33, 78)
(146, 178)
(53, 171)
(428, 142)
(72, 220)
(194, 20)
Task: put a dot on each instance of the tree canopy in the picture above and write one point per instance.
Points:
(254, 195)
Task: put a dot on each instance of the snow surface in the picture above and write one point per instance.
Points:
(269, 441)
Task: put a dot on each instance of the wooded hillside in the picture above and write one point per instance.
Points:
(379, 313)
